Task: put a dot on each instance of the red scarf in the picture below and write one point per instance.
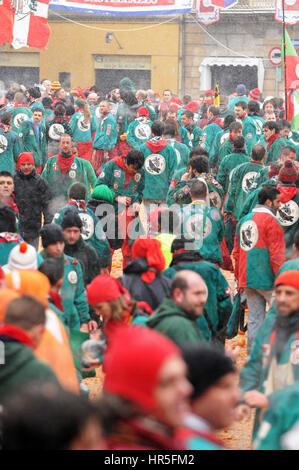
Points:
(287, 193)
(272, 139)
(120, 161)
(56, 300)
(14, 332)
(65, 163)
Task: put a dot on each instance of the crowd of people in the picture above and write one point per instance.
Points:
(189, 190)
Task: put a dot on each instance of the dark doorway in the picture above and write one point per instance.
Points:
(28, 76)
(65, 79)
(229, 76)
(108, 79)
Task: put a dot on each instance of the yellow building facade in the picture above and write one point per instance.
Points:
(81, 53)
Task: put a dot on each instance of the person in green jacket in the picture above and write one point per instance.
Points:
(92, 231)
(241, 181)
(83, 125)
(214, 125)
(195, 132)
(198, 167)
(160, 162)
(64, 169)
(252, 126)
(177, 316)
(274, 141)
(139, 130)
(219, 304)
(77, 248)
(9, 145)
(220, 137)
(20, 334)
(203, 223)
(32, 138)
(273, 361)
(19, 111)
(231, 161)
(73, 293)
(181, 150)
(226, 147)
(125, 177)
(280, 425)
(105, 137)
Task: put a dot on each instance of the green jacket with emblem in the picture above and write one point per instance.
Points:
(240, 183)
(60, 183)
(205, 224)
(29, 142)
(73, 294)
(160, 163)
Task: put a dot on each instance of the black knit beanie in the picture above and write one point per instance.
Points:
(71, 218)
(206, 366)
(51, 233)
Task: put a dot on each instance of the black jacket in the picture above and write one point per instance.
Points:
(153, 293)
(32, 196)
(87, 257)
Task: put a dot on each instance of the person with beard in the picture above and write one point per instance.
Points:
(177, 316)
(64, 169)
(273, 362)
(33, 197)
(195, 133)
(275, 142)
(77, 248)
(219, 303)
(259, 252)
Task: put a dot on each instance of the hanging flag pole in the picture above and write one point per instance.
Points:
(284, 59)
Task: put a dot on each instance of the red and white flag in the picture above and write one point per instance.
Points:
(31, 27)
(6, 22)
(206, 13)
(291, 11)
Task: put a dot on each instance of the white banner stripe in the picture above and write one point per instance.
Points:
(20, 29)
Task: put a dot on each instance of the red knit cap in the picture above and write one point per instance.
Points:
(133, 362)
(150, 249)
(255, 94)
(288, 278)
(104, 288)
(143, 111)
(288, 173)
(209, 92)
(25, 157)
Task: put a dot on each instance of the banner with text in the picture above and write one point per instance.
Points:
(125, 7)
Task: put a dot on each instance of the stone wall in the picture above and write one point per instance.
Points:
(252, 35)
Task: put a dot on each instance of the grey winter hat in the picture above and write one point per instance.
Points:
(241, 90)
